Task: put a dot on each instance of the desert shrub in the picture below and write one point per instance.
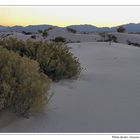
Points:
(111, 38)
(50, 28)
(114, 39)
(59, 39)
(55, 59)
(103, 35)
(84, 32)
(71, 30)
(40, 31)
(77, 41)
(133, 43)
(58, 62)
(121, 29)
(26, 33)
(33, 36)
(23, 89)
(14, 45)
(129, 42)
(24, 48)
(45, 33)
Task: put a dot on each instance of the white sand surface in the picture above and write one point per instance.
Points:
(105, 98)
(71, 37)
(52, 34)
(74, 37)
(124, 37)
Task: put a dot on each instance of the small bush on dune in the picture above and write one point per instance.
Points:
(26, 33)
(121, 29)
(71, 30)
(111, 38)
(23, 89)
(33, 36)
(55, 59)
(45, 33)
(103, 35)
(133, 43)
(50, 28)
(59, 39)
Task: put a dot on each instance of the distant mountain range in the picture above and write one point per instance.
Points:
(131, 27)
(30, 28)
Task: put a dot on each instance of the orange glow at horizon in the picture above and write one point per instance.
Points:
(68, 15)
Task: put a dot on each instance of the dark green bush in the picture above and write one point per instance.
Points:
(49, 29)
(23, 89)
(111, 38)
(71, 30)
(45, 33)
(59, 39)
(26, 33)
(33, 36)
(121, 29)
(55, 59)
(133, 43)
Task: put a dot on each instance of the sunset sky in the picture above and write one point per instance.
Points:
(68, 15)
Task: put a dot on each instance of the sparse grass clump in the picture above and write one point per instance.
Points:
(55, 59)
(23, 89)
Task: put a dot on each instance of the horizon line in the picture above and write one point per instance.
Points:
(68, 25)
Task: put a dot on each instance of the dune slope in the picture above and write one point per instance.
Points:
(105, 98)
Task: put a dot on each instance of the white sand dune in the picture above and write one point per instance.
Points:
(105, 98)
(71, 37)
(14, 35)
(20, 36)
(52, 34)
(124, 37)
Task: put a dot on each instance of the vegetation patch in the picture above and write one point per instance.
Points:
(59, 39)
(71, 30)
(23, 88)
(55, 59)
(133, 43)
(45, 33)
(26, 33)
(111, 38)
(121, 29)
(33, 36)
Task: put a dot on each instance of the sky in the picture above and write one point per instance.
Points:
(100, 16)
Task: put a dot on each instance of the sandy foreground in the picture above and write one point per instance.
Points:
(105, 98)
